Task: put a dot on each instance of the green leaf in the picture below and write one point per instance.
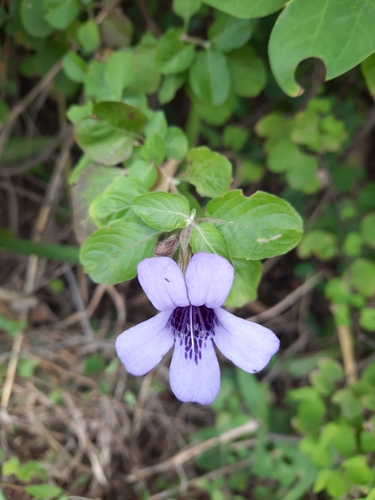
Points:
(255, 395)
(11, 466)
(120, 71)
(43, 491)
(44, 250)
(228, 33)
(96, 85)
(246, 280)
(11, 326)
(206, 238)
(144, 171)
(325, 377)
(169, 87)
(323, 29)
(352, 245)
(92, 181)
(26, 367)
(88, 36)
(163, 211)
(147, 72)
(111, 254)
(186, 9)
(349, 404)
(120, 115)
(367, 229)
(115, 201)
(94, 364)
(117, 30)
(32, 17)
(77, 113)
(209, 77)
(246, 9)
(154, 150)
(217, 115)
(235, 137)
(367, 319)
(337, 484)
(257, 227)
(61, 13)
(362, 276)
(367, 442)
(304, 176)
(157, 125)
(320, 243)
(74, 67)
(248, 72)
(357, 470)
(176, 144)
(173, 55)
(209, 172)
(368, 71)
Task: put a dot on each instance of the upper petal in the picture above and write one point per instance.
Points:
(248, 345)
(163, 282)
(143, 346)
(209, 279)
(195, 380)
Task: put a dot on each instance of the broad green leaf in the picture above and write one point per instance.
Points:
(43, 491)
(352, 245)
(169, 87)
(32, 17)
(209, 77)
(111, 254)
(174, 56)
(362, 276)
(325, 29)
(282, 155)
(367, 441)
(115, 201)
(61, 13)
(209, 172)
(89, 36)
(304, 177)
(157, 125)
(367, 229)
(120, 115)
(247, 9)
(246, 280)
(102, 142)
(357, 470)
(320, 243)
(176, 144)
(186, 8)
(96, 85)
(90, 182)
(257, 227)
(235, 137)
(144, 171)
(163, 211)
(248, 72)
(368, 71)
(337, 484)
(147, 71)
(206, 238)
(153, 150)
(228, 33)
(349, 404)
(119, 71)
(74, 67)
(77, 113)
(217, 115)
(367, 319)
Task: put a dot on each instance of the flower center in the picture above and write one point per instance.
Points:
(193, 326)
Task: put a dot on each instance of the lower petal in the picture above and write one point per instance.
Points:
(248, 345)
(195, 379)
(143, 346)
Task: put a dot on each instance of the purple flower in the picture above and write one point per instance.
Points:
(192, 321)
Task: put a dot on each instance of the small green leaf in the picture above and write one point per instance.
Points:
(147, 72)
(367, 319)
(176, 144)
(368, 70)
(163, 211)
(206, 238)
(74, 67)
(367, 229)
(362, 276)
(246, 280)
(248, 72)
(157, 125)
(11, 326)
(228, 33)
(257, 227)
(174, 56)
(217, 115)
(94, 364)
(119, 71)
(349, 404)
(209, 172)
(11, 466)
(367, 442)
(32, 17)
(144, 171)
(26, 367)
(186, 9)
(357, 470)
(111, 254)
(247, 9)
(169, 87)
(44, 491)
(120, 115)
(320, 243)
(321, 29)
(209, 77)
(255, 395)
(88, 36)
(115, 201)
(77, 113)
(235, 137)
(61, 13)
(95, 83)
(154, 150)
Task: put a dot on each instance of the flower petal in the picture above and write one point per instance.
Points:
(143, 346)
(248, 345)
(195, 381)
(163, 282)
(209, 279)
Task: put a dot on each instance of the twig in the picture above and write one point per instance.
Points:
(289, 300)
(347, 350)
(194, 451)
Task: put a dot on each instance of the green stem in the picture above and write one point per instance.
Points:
(46, 250)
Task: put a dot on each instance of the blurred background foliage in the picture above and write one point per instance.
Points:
(225, 76)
